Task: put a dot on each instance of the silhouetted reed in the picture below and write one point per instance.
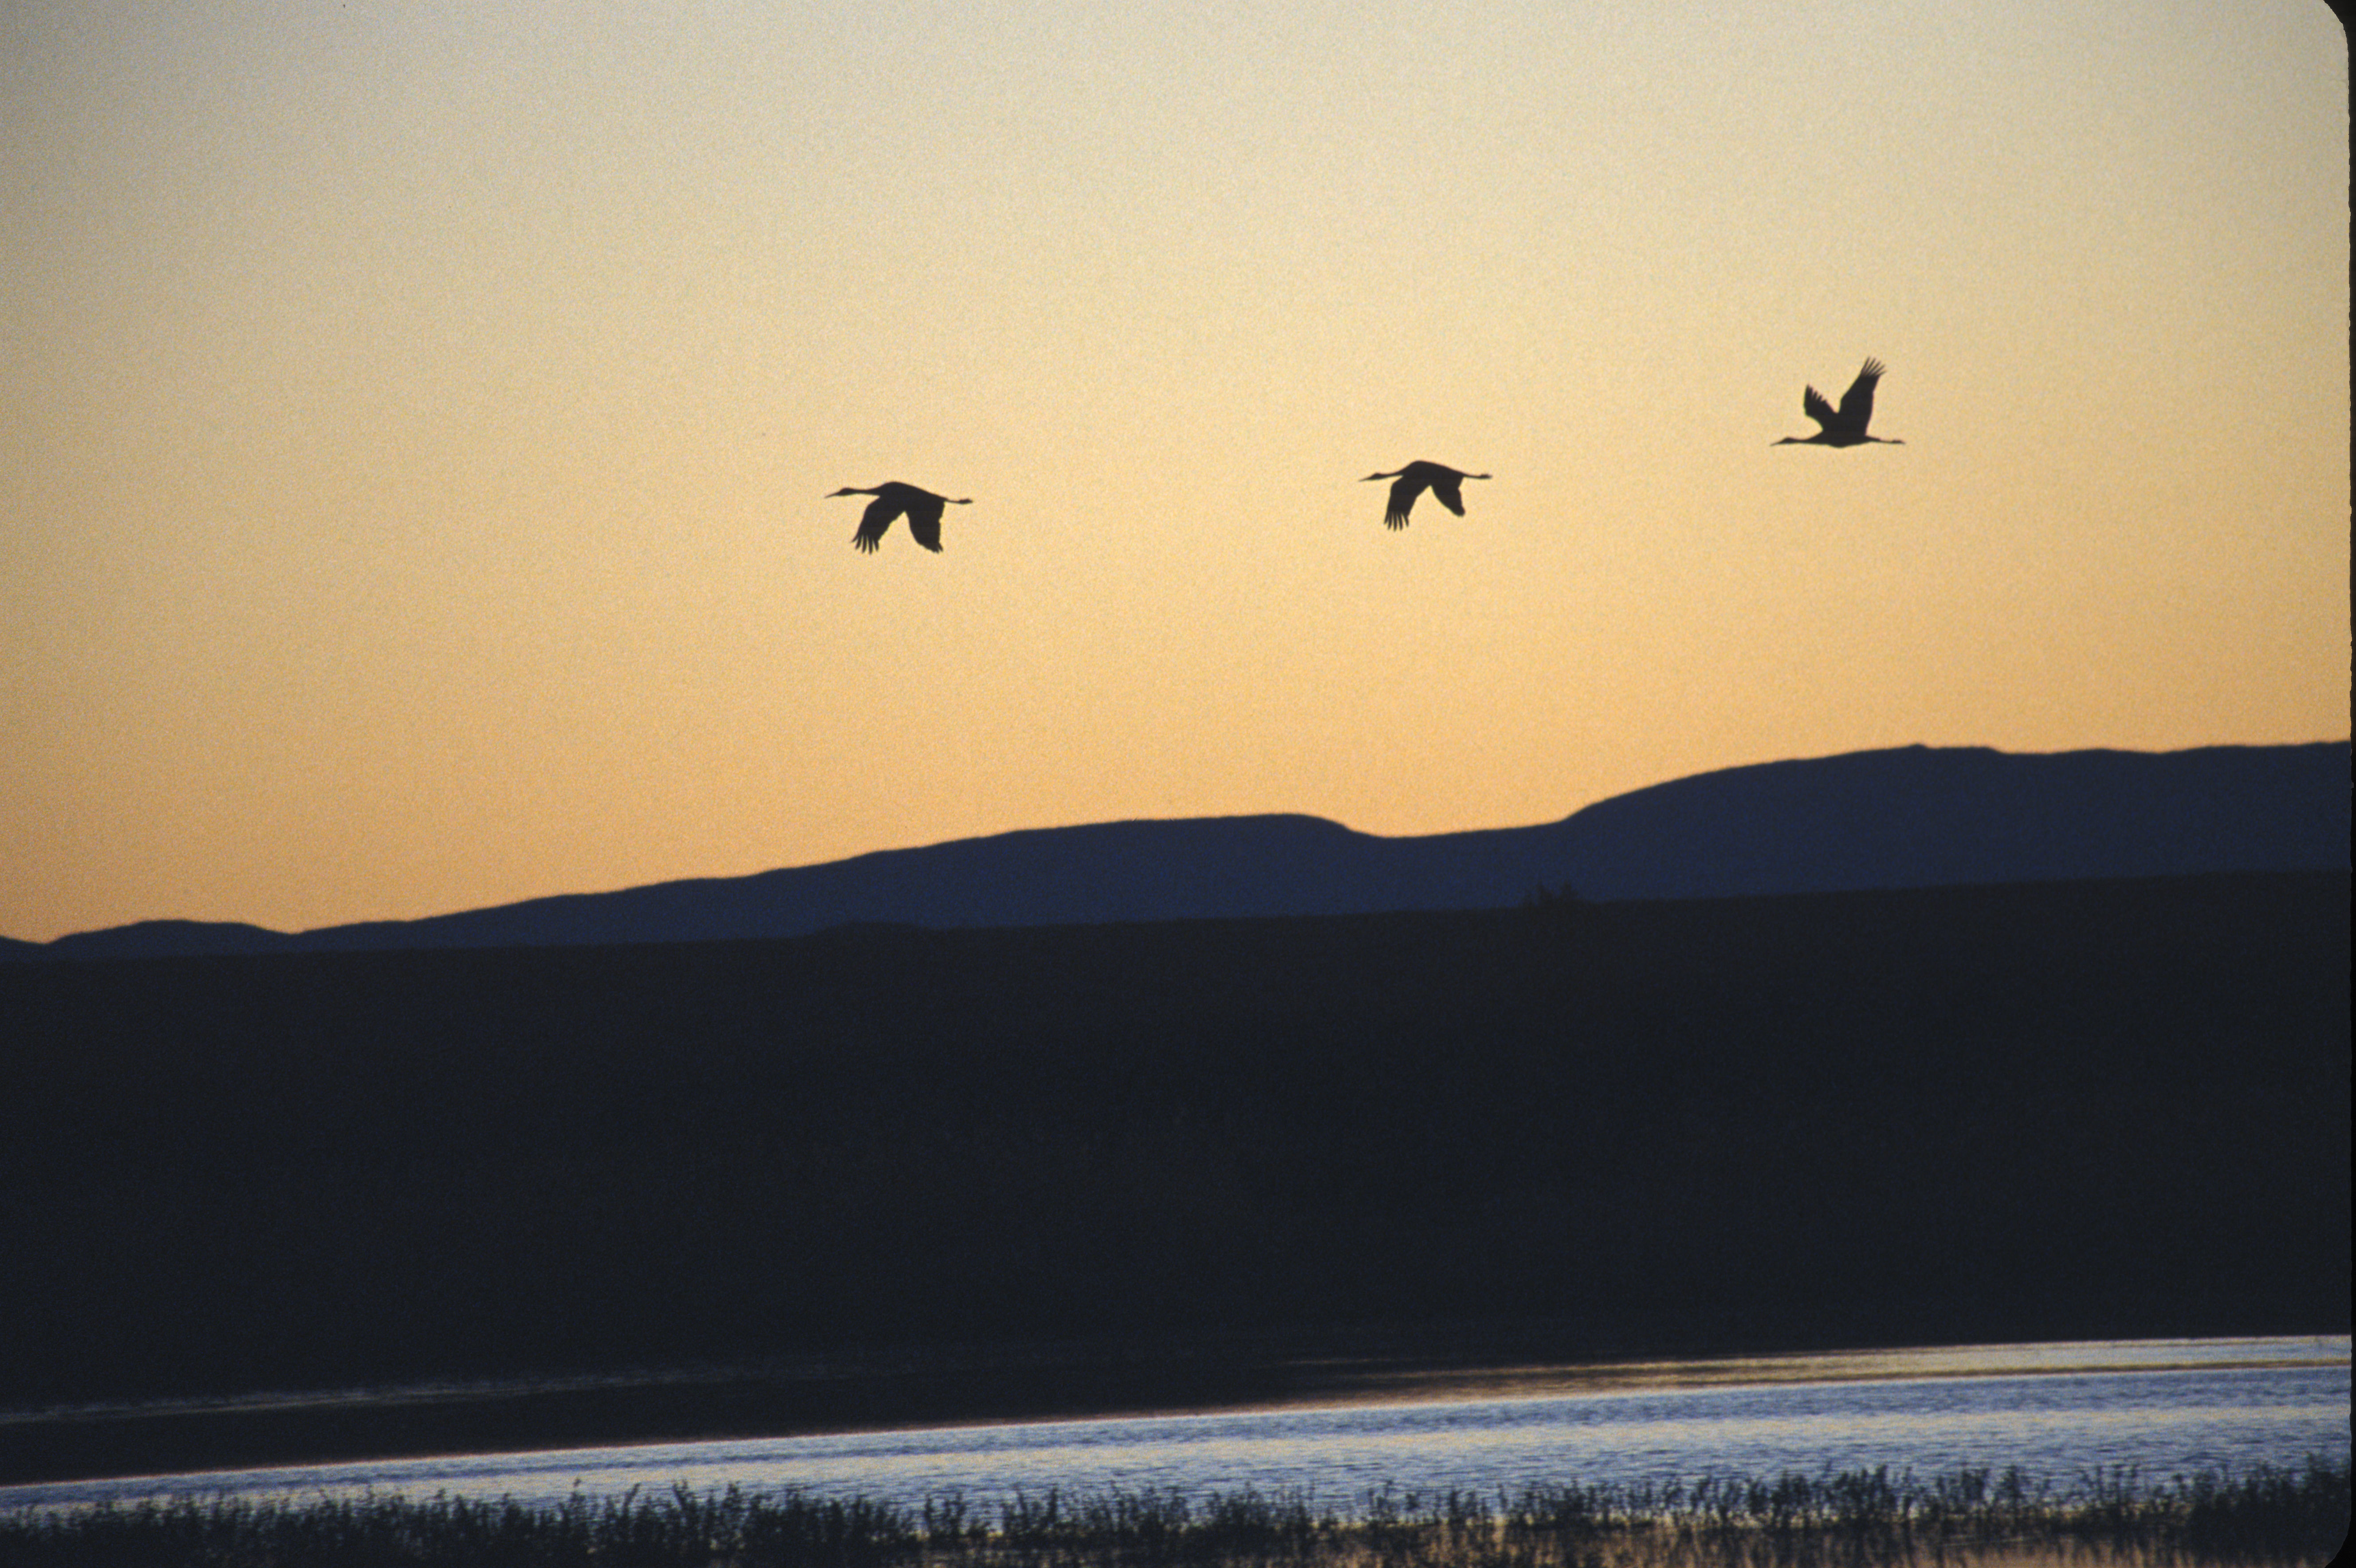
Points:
(1849, 1520)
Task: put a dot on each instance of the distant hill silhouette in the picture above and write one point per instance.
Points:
(1911, 817)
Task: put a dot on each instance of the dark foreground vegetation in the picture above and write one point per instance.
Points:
(1571, 1131)
(2267, 1517)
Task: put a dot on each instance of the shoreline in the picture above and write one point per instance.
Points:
(1111, 1170)
(1972, 1518)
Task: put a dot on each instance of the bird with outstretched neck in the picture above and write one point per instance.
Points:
(1844, 426)
(1443, 482)
(893, 498)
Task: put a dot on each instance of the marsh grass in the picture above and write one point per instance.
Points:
(1971, 1520)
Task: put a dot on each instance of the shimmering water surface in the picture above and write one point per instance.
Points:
(2159, 1407)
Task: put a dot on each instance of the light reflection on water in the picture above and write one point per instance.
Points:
(2162, 1408)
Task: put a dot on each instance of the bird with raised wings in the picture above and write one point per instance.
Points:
(1443, 482)
(893, 498)
(1844, 426)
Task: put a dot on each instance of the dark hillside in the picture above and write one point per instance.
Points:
(1911, 817)
(1928, 817)
(2071, 1109)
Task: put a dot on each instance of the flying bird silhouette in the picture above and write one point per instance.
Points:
(1443, 482)
(891, 498)
(1846, 425)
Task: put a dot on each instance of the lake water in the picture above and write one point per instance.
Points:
(2158, 1407)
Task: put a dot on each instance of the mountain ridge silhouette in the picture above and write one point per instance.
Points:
(1904, 816)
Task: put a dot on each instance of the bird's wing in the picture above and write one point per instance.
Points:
(1813, 403)
(873, 521)
(925, 522)
(1450, 490)
(1857, 403)
(1403, 494)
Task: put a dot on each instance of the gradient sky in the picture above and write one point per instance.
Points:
(419, 418)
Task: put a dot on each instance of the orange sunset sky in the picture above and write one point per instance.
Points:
(419, 417)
